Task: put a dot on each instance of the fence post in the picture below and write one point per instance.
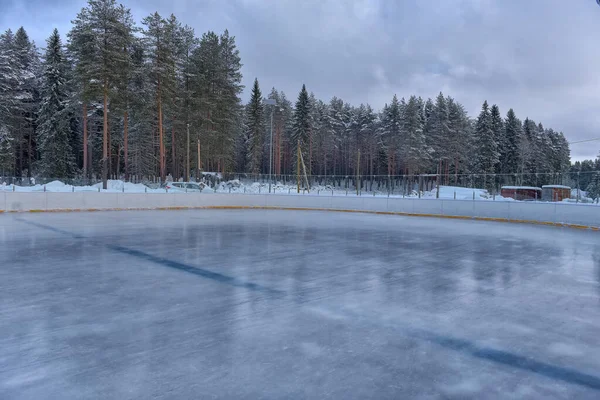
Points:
(473, 195)
(145, 190)
(455, 195)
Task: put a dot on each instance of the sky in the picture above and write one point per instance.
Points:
(539, 57)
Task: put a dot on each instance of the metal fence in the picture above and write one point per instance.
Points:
(428, 185)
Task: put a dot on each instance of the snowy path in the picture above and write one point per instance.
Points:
(280, 304)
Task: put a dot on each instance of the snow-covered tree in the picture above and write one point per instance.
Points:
(53, 134)
(100, 33)
(439, 132)
(255, 130)
(9, 83)
(415, 153)
(391, 132)
(499, 133)
(486, 148)
(459, 136)
(509, 154)
(302, 125)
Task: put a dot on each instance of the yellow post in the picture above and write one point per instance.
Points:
(298, 166)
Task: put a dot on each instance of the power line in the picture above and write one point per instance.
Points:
(587, 140)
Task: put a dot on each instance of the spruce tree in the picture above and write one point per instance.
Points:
(256, 129)
(53, 134)
(301, 127)
(9, 83)
(26, 101)
(499, 133)
(509, 154)
(486, 148)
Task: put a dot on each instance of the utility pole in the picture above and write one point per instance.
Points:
(187, 159)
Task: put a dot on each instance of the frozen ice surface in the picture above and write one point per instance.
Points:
(280, 304)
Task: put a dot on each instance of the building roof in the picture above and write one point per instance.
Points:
(556, 187)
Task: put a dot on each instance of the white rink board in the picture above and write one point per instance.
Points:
(562, 213)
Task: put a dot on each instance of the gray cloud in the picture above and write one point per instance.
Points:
(539, 57)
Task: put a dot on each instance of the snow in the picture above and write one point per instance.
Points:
(555, 187)
(237, 186)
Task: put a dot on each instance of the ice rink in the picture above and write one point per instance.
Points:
(295, 304)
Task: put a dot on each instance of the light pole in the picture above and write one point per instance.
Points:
(273, 102)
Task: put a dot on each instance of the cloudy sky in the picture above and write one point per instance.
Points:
(540, 57)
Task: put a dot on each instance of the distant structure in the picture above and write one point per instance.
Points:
(556, 192)
(522, 193)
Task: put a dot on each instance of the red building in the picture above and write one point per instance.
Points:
(523, 193)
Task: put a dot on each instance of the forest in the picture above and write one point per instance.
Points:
(117, 98)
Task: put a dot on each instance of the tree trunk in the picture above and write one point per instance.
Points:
(126, 144)
(85, 141)
(161, 144)
(105, 140)
(109, 141)
(29, 150)
(174, 161)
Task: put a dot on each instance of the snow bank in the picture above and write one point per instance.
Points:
(120, 186)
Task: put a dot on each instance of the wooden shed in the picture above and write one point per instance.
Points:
(555, 192)
(524, 193)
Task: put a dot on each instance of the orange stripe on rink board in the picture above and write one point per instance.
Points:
(405, 214)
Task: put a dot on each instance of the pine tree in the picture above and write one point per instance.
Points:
(301, 126)
(459, 135)
(415, 152)
(391, 132)
(159, 47)
(486, 148)
(255, 128)
(100, 33)
(53, 135)
(141, 135)
(439, 132)
(9, 83)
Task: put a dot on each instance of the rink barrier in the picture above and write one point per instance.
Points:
(549, 214)
(402, 214)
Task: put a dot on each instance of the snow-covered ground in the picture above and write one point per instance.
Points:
(237, 186)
